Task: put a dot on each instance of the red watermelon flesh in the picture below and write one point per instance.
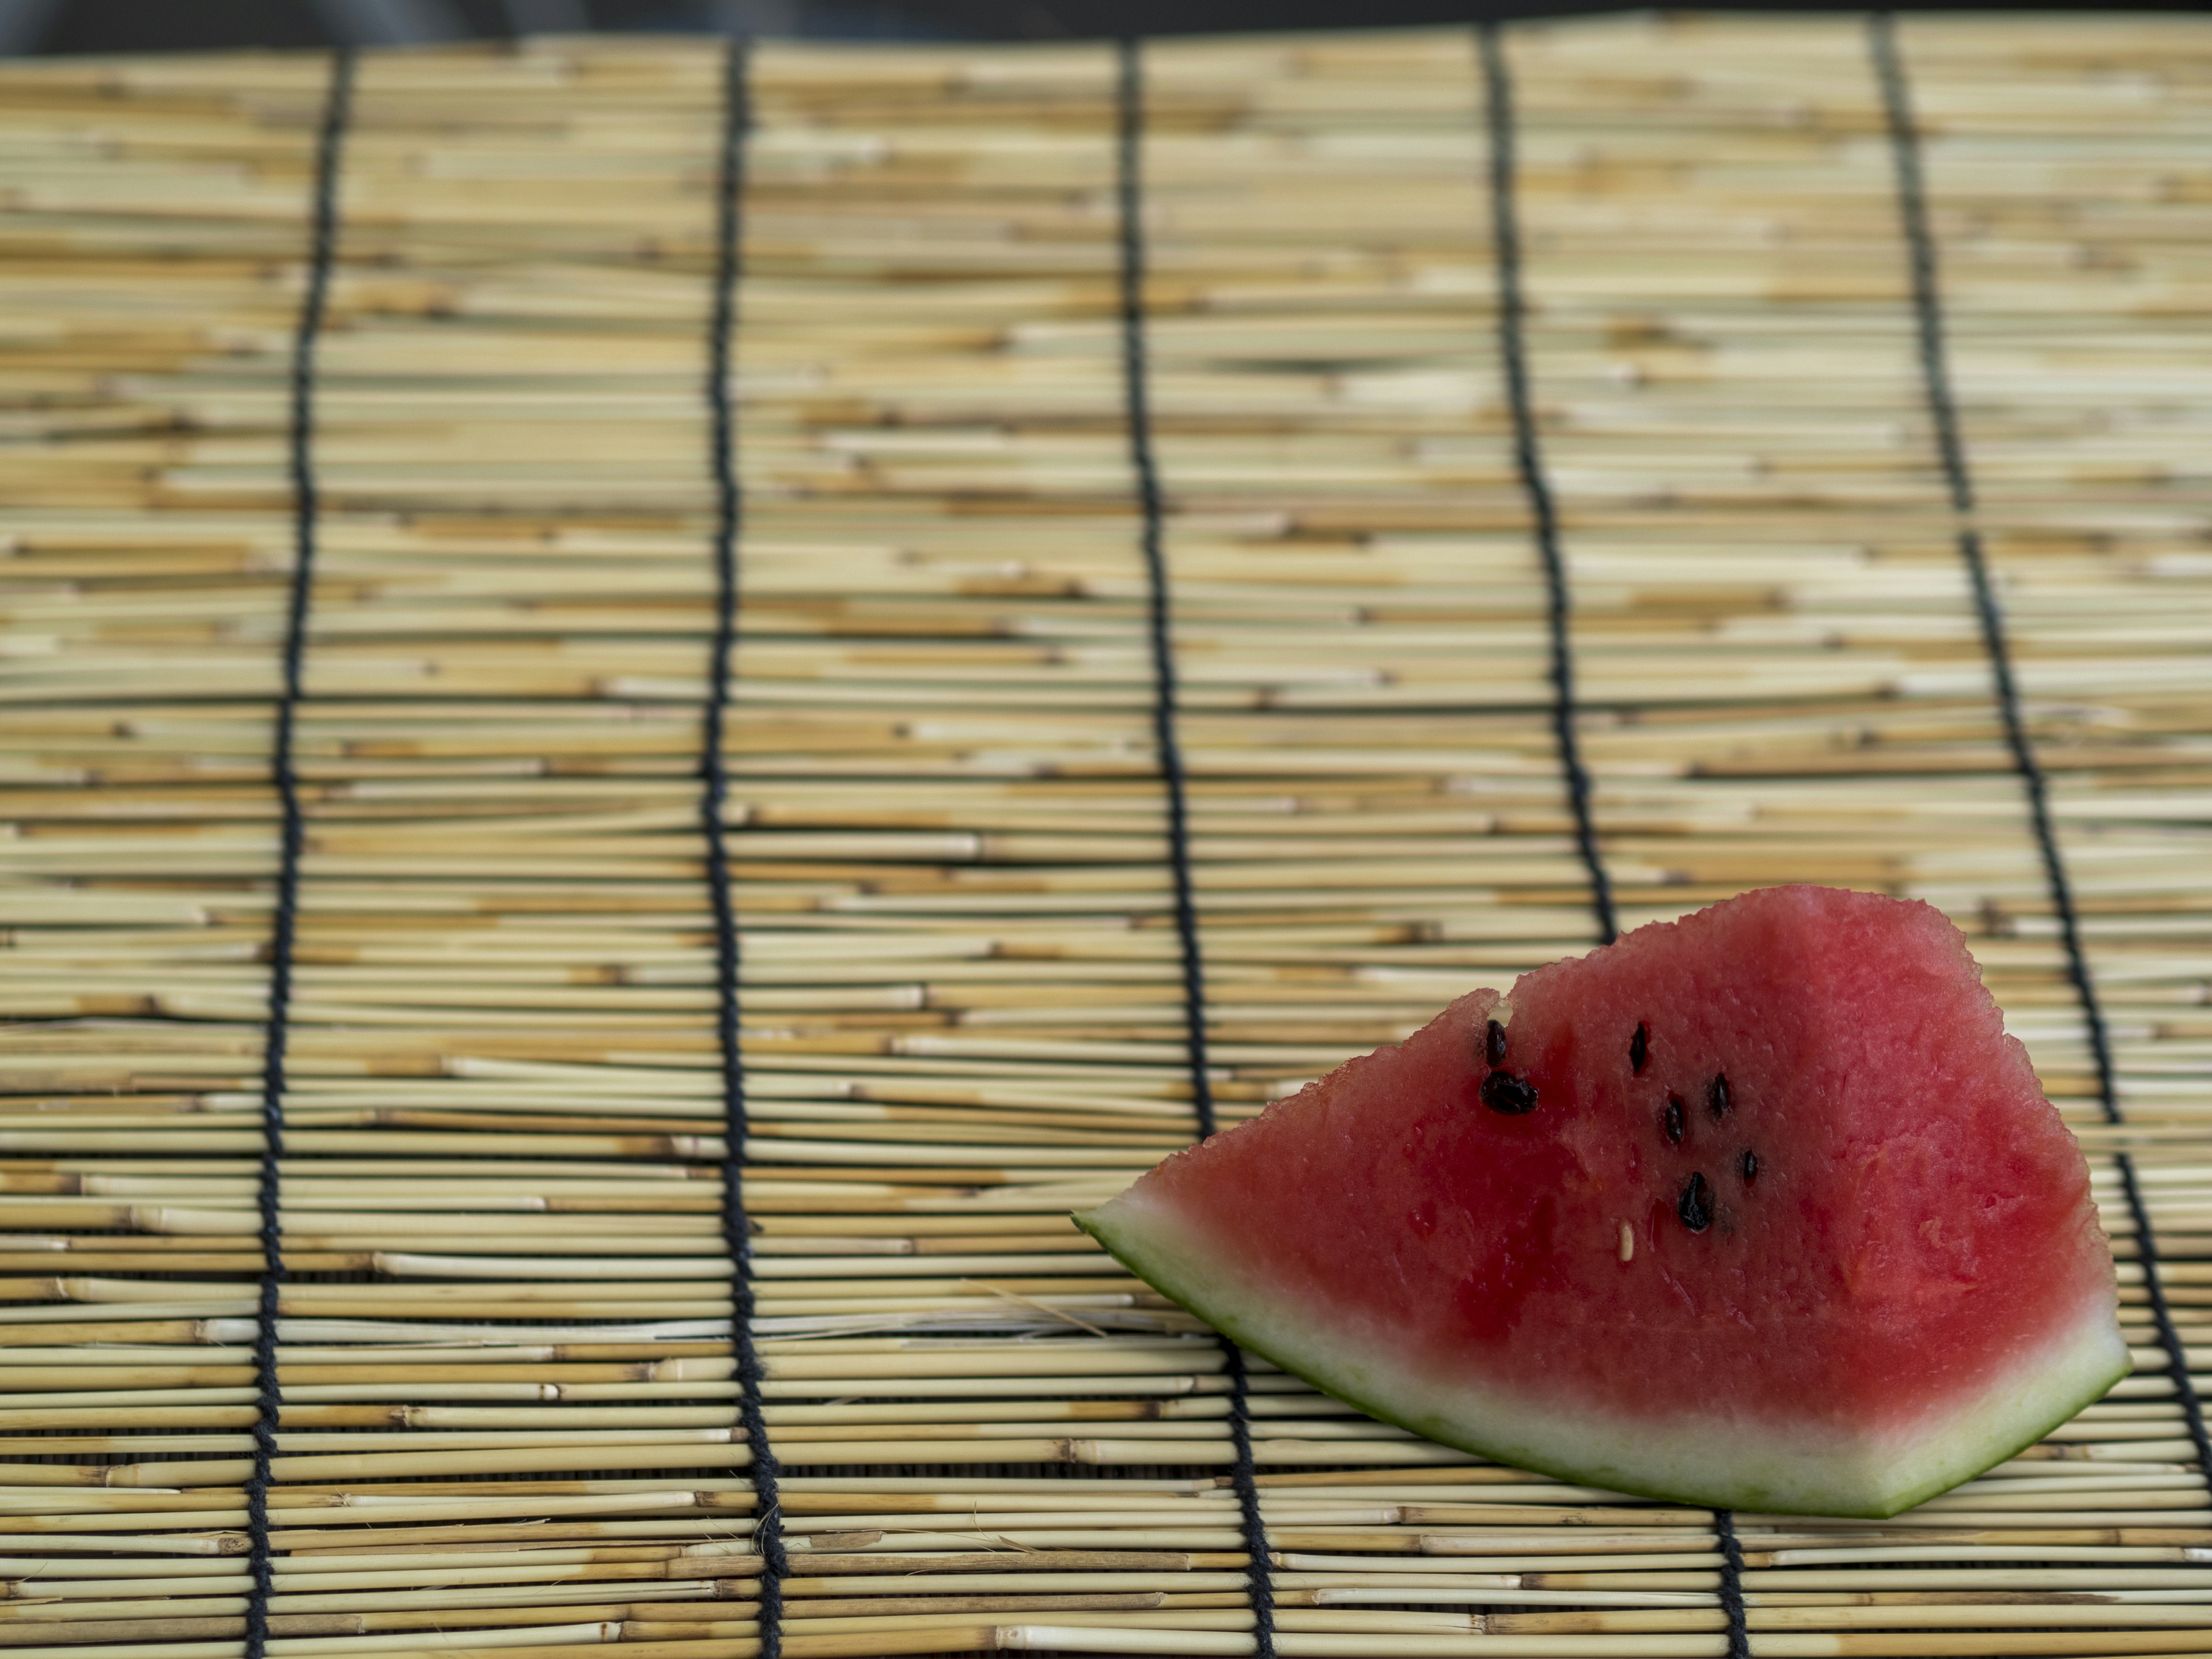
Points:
(1760, 1209)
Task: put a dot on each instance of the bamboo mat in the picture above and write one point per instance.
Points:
(1275, 530)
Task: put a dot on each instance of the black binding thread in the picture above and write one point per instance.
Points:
(715, 777)
(1259, 1584)
(1739, 1630)
(292, 838)
(1129, 180)
(1942, 409)
(1527, 455)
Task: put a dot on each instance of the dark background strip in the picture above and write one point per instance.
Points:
(83, 26)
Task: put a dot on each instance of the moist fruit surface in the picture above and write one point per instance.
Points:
(1760, 1208)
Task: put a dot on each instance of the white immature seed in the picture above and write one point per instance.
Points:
(1627, 1243)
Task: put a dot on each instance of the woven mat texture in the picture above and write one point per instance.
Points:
(657, 701)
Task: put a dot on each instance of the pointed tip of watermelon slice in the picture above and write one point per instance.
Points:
(1904, 1286)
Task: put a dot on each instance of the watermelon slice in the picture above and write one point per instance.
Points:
(1760, 1209)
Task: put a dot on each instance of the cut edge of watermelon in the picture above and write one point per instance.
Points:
(1714, 1463)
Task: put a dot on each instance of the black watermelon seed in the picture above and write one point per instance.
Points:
(1639, 1048)
(1696, 1205)
(1717, 1094)
(1502, 1091)
(1672, 1121)
(1750, 1168)
(1493, 1044)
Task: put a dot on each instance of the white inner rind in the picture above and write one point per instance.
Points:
(1721, 1460)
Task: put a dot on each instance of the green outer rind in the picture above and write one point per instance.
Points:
(1157, 1269)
